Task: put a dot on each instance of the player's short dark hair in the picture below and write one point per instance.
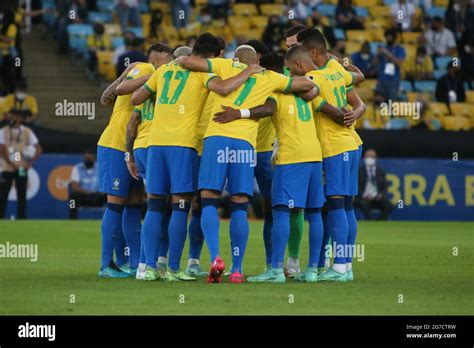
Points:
(206, 45)
(295, 51)
(258, 46)
(295, 30)
(313, 39)
(159, 47)
(222, 44)
(273, 61)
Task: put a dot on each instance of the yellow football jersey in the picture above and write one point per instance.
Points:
(335, 65)
(334, 138)
(296, 131)
(204, 121)
(254, 92)
(114, 134)
(180, 98)
(265, 135)
(145, 110)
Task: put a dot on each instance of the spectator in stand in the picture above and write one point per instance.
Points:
(157, 34)
(84, 186)
(19, 148)
(98, 41)
(218, 8)
(346, 16)
(302, 9)
(181, 12)
(439, 40)
(128, 13)
(24, 102)
(133, 53)
(9, 51)
(403, 15)
(328, 32)
(373, 188)
(454, 19)
(450, 87)
(419, 67)
(365, 61)
(467, 62)
(78, 11)
(128, 37)
(273, 33)
(388, 61)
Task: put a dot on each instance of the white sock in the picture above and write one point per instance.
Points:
(162, 259)
(293, 262)
(142, 267)
(339, 267)
(348, 266)
(193, 262)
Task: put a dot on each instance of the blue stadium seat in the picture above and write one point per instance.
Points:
(328, 10)
(438, 74)
(103, 17)
(436, 11)
(442, 62)
(77, 34)
(388, 2)
(399, 123)
(362, 11)
(117, 42)
(339, 34)
(143, 7)
(406, 86)
(426, 86)
(138, 31)
(105, 5)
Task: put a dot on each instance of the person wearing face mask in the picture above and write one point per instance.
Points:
(450, 87)
(365, 61)
(22, 101)
(84, 185)
(19, 150)
(467, 62)
(390, 58)
(439, 40)
(373, 188)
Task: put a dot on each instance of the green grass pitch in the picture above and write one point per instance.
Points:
(412, 259)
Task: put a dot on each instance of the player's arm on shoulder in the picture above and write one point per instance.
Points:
(357, 73)
(146, 90)
(193, 63)
(130, 85)
(109, 95)
(229, 114)
(309, 95)
(301, 84)
(224, 87)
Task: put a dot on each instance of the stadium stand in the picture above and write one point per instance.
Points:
(248, 20)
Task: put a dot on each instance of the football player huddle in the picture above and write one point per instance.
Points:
(189, 123)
